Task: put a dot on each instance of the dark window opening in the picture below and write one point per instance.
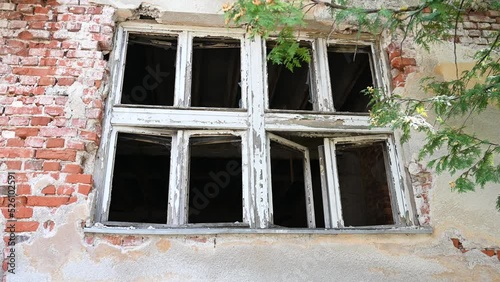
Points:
(149, 77)
(350, 73)
(288, 90)
(317, 192)
(363, 183)
(140, 179)
(288, 184)
(216, 73)
(215, 180)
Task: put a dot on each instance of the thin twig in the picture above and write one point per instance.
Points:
(455, 37)
(367, 11)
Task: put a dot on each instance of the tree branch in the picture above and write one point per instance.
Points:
(367, 11)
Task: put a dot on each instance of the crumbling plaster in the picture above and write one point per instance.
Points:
(68, 254)
(473, 214)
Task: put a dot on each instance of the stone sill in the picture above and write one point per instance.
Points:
(217, 230)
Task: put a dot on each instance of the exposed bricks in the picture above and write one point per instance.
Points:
(33, 165)
(35, 142)
(24, 132)
(19, 200)
(72, 168)
(120, 240)
(53, 154)
(401, 65)
(84, 189)
(21, 212)
(40, 121)
(487, 251)
(49, 190)
(49, 225)
(55, 143)
(477, 28)
(14, 142)
(79, 178)
(65, 190)
(421, 181)
(24, 226)
(16, 153)
(47, 81)
(13, 165)
(58, 132)
(401, 62)
(49, 201)
(23, 189)
(65, 81)
(51, 166)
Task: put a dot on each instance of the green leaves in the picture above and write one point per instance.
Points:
(266, 18)
(288, 52)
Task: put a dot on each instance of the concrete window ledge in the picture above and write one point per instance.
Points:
(213, 231)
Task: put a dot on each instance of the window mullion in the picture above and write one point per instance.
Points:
(178, 195)
(395, 183)
(324, 186)
(119, 60)
(322, 89)
(182, 96)
(380, 68)
(259, 180)
(248, 213)
(103, 210)
(333, 184)
(311, 217)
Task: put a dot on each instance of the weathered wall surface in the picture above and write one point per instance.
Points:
(53, 85)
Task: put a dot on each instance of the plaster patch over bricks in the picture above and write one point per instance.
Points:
(75, 108)
(421, 180)
(40, 183)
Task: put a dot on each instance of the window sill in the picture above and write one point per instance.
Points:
(101, 229)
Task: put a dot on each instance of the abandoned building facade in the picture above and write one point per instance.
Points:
(151, 142)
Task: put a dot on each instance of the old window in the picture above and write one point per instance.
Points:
(141, 169)
(350, 73)
(288, 90)
(215, 185)
(202, 131)
(216, 73)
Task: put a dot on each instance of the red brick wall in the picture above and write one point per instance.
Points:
(476, 28)
(51, 61)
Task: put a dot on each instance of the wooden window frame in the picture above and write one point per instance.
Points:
(253, 122)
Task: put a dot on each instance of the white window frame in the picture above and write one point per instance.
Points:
(254, 123)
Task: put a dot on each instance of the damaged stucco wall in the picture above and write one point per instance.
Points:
(53, 86)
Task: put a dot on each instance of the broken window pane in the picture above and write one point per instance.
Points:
(149, 77)
(289, 204)
(215, 180)
(350, 73)
(216, 73)
(140, 179)
(288, 90)
(363, 184)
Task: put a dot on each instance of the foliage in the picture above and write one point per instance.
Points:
(262, 18)
(451, 103)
